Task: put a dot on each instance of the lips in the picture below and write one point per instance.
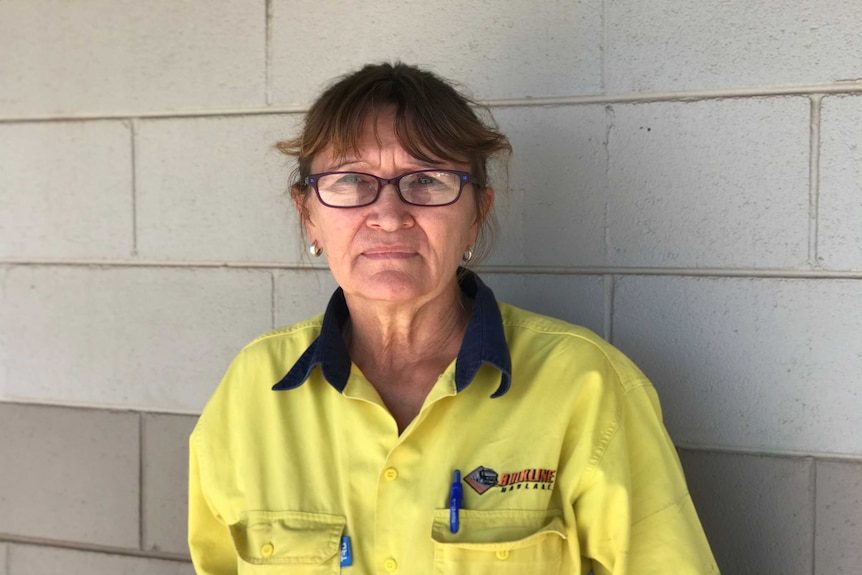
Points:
(389, 255)
(389, 252)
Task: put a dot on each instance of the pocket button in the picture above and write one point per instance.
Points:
(503, 554)
(267, 549)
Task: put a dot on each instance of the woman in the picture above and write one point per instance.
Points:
(419, 426)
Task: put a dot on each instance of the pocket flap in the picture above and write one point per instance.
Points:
(498, 529)
(287, 537)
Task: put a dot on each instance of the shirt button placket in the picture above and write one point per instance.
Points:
(386, 500)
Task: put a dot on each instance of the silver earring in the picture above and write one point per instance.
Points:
(313, 250)
(468, 255)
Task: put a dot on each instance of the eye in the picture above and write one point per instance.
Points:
(348, 179)
(346, 183)
(431, 188)
(426, 180)
(430, 181)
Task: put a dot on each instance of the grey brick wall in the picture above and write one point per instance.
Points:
(686, 182)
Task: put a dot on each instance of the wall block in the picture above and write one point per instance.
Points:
(691, 185)
(215, 189)
(757, 511)
(144, 337)
(65, 189)
(839, 517)
(69, 474)
(670, 46)
(839, 231)
(762, 364)
(552, 211)
(127, 56)
(524, 48)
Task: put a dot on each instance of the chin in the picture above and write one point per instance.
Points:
(393, 286)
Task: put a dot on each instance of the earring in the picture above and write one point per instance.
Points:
(468, 255)
(313, 250)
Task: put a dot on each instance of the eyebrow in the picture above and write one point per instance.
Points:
(415, 165)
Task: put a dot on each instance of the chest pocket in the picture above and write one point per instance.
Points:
(288, 541)
(501, 542)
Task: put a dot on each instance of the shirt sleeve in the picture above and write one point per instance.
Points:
(635, 515)
(210, 543)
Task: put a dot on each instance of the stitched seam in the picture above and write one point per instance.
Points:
(684, 495)
(294, 329)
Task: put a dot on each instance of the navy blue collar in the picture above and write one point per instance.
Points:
(484, 342)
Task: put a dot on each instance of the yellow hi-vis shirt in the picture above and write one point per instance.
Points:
(297, 467)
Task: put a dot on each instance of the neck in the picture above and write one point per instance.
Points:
(401, 334)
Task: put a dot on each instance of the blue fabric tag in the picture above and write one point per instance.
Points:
(346, 552)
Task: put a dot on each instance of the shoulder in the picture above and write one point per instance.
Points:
(247, 383)
(565, 346)
(542, 324)
(272, 353)
(298, 334)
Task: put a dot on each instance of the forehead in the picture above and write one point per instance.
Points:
(375, 141)
(376, 133)
(429, 141)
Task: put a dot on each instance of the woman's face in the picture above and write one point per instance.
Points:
(391, 251)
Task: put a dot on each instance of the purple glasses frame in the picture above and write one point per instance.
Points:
(463, 178)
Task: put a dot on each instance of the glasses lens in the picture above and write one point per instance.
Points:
(431, 188)
(347, 189)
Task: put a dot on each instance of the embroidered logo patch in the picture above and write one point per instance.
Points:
(481, 479)
(484, 478)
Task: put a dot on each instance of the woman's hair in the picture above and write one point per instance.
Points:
(433, 122)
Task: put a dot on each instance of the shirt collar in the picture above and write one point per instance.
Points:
(484, 342)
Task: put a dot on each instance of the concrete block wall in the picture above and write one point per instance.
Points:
(686, 182)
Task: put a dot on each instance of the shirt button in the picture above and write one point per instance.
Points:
(267, 549)
(503, 554)
(390, 474)
(390, 565)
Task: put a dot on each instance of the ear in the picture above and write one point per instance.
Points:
(299, 202)
(486, 202)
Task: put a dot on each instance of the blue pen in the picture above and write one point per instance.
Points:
(456, 496)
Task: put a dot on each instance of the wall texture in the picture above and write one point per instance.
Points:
(687, 181)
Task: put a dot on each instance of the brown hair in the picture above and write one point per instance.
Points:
(433, 122)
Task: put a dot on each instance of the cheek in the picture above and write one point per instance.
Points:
(335, 230)
(459, 234)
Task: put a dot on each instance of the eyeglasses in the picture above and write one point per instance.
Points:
(357, 189)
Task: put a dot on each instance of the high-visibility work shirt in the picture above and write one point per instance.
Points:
(298, 467)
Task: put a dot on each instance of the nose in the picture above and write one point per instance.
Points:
(389, 213)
